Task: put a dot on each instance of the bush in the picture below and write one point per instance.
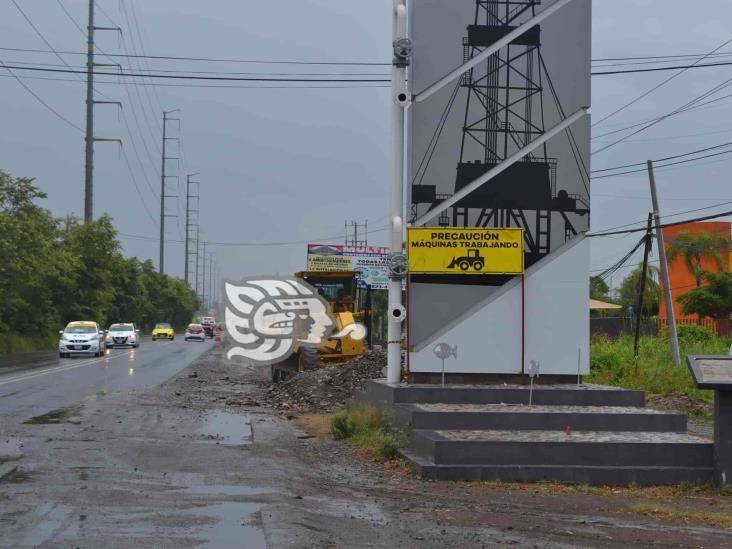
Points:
(613, 363)
(370, 429)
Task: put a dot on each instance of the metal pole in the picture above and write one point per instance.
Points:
(198, 253)
(210, 282)
(162, 197)
(89, 140)
(188, 226)
(203, 280)
(670, 316)
(644, 275)
(400, 99)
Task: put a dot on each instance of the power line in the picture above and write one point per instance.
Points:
(691, 103)
(666, 158)
(663, 226)
(220, 60)
(251, 244)
(40, 100)
(657, 86)
(193, 77)
(676, 214)
(42, 37)
(618, 174)
(659, 69)
(220, 86)
(646, 57)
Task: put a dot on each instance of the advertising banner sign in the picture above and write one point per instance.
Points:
(465, 251)
(372, 262)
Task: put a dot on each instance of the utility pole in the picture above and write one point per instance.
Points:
(210, 281)
(191, 222)
(644, 275)
(670, 316)
(163, 196)
(352, 234)
(198, 253)
(203, 280)
(89, 138)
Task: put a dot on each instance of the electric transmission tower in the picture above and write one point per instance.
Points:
(163, 186)
(192, 213)
(357, 234)
(89, 139)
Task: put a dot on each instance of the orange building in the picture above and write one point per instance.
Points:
(681, 279)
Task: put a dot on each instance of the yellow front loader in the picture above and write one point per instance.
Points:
(347, 304)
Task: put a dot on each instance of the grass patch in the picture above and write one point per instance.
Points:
(371, 430)
(613, 363)
(720, 520)
(14, 343)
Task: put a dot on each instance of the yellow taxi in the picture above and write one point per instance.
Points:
(163, 330)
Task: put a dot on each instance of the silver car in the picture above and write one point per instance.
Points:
(123, 335)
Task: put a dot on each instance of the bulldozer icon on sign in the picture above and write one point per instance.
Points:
(472, 261)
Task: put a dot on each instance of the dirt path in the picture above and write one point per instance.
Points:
(179, 467)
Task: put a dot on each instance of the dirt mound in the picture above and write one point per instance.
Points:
(325, 389)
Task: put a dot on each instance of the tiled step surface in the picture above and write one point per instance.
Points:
(554, 395)
(542, 417)
(556, 448)
(581, 474)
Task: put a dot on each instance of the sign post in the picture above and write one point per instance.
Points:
(715, 372)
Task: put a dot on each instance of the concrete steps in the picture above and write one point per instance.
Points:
(576, 474)
(523, 417)
(549, 395)
(571, 433)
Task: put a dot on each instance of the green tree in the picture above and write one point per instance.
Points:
(630, 288)
(712, 300)
(693, 248)
(598, 288)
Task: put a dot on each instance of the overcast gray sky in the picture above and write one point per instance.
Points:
(284, 164)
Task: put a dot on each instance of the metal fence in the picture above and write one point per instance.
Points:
(615, 327)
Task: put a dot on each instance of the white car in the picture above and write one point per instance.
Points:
(123, 335)
(81, 337)
(195, 331)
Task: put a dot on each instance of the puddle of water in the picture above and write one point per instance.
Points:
(227, 429)
(226, 490)
(54, 417)
(235, 526)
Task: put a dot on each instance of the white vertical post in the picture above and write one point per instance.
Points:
(400, 99)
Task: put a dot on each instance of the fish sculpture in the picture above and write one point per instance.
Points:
(444, 351)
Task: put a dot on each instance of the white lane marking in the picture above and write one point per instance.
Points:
(70, 366)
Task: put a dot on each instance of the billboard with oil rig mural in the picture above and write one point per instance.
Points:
(529, 83)
(494, 110)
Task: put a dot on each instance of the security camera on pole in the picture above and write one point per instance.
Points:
(400, 101)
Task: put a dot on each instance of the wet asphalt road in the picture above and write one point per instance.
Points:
(37, 383)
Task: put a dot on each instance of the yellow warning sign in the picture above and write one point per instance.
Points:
(463, 250)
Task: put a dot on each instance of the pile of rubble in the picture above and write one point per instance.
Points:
(326, 389)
